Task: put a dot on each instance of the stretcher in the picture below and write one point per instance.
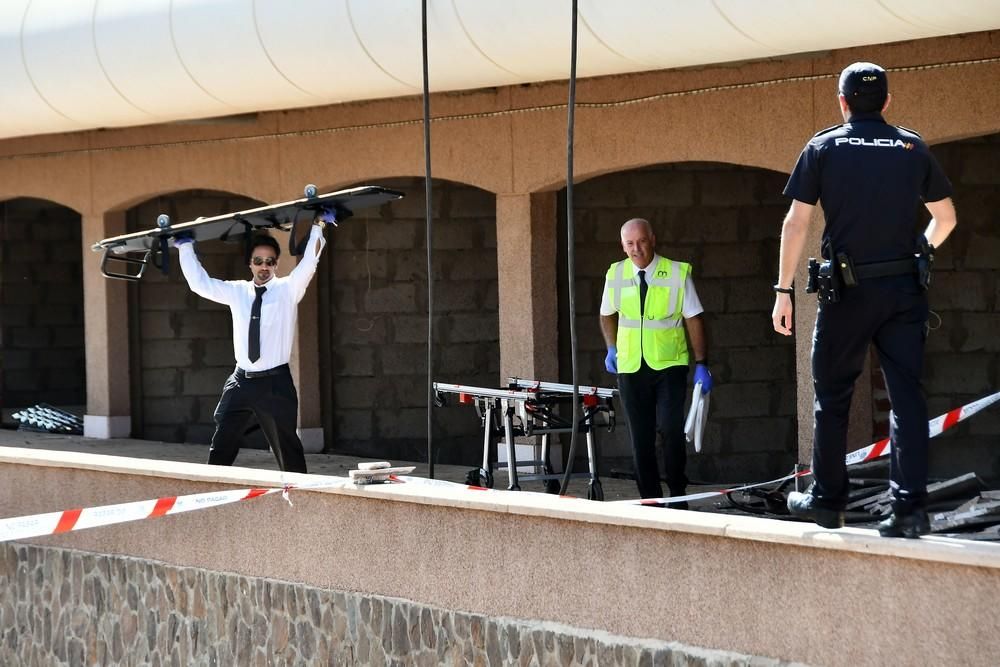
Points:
(126, 257)
(527, 408)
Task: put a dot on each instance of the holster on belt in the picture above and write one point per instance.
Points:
(824, 280)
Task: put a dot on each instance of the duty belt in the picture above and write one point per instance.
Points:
(894, 267)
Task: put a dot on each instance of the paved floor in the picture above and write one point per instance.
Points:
(323, 464)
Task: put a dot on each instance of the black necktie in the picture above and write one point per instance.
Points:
(253, 347)
(643, 288)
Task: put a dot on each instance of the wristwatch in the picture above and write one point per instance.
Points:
(784, 290)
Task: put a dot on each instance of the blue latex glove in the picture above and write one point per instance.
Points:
(328, 216)
(182, 238)
(702, 375)
(611, 361)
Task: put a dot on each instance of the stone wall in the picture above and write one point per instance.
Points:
(375, 357)
(181, 344)
(41, 305)
(726, 221)
(63, 607)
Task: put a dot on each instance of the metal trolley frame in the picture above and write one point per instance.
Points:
(527, 408)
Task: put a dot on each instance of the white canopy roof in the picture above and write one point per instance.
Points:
(70, 65)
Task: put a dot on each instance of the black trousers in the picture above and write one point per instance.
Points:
(654, 403)
(272, 399)
(891, 313)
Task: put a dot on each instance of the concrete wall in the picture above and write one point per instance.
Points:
(375, 308)
(41, 305)
(725, 221)
(754, 586)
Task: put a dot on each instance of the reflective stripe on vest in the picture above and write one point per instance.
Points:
(656, 335)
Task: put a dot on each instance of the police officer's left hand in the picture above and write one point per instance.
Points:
(781, 316)
(702, 375)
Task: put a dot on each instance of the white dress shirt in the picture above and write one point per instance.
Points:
(690, 307)
(279, 305)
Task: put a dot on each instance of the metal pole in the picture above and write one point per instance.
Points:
(429, 213)
(570, 254)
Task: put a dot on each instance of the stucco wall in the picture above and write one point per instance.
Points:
(754, 586)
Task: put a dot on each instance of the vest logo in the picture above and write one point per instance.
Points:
(661, 274)
(874, 143)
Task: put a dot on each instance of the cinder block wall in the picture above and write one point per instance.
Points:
(963, 355)
(181, 344)
(41, 305)
(376, 355)
(726, 221)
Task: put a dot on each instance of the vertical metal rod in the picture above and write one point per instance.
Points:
(508, 429)
(570, 254)
(487, 435)
(429, 214)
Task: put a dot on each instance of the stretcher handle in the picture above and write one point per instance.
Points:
(125, 259)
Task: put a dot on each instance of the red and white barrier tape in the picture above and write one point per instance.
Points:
(53, 523)
(937, 426)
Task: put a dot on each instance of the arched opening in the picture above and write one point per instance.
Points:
(373, 322)
(725, 220)
(42, 357)
(963, 352)
(181, 344)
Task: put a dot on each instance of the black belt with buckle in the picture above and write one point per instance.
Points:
(277, 370)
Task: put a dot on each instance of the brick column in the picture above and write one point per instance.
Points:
(859, 431)
(526, 267)
(305, 367)
(105, 316)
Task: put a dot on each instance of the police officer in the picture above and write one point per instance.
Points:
(648, 302)
(870, 178)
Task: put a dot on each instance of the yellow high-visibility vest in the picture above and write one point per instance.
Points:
(656, 334)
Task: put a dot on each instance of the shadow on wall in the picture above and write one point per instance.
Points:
(726, 221)
(42, 356)
(181, 344)
(373, 322)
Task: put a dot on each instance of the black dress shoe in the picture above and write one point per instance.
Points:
(803, 505)
(911, 524)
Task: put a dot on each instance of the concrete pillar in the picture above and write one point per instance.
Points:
(304, 365)
(526, 267)
(105, 316)
(859, 432)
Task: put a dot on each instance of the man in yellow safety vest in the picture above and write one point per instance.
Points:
(648, 303)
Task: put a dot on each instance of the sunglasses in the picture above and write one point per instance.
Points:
(270, 261)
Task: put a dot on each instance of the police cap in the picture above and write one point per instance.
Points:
(865, 86)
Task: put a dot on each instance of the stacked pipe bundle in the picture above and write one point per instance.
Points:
(44, 418)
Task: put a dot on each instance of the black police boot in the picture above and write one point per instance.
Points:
(803, 505)
(911, 524)
(683, 505)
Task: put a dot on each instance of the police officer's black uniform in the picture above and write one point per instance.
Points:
(870, 178)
